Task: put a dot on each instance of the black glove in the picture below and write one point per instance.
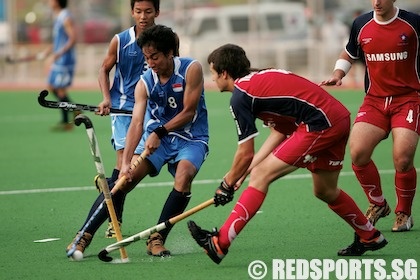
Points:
(223, 194)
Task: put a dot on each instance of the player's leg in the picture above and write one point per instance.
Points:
(59, 80)
(404, 148)
(119, 128)
(217, 243)
(189, 156)
(99, 211)
(367, 237)
(369, 129)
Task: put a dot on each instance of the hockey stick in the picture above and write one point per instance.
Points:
(118, 185)
(94, 147)
(13, 60)
(73, 106)
(103, 255)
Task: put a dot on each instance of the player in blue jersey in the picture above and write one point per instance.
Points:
(126, 56)
(169, 123)
(63, 56)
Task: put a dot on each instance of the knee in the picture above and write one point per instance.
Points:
(327, 195)
(403, 164)
(359, 157)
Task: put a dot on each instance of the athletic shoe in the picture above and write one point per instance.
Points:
(155, 246)
(360, 246)
(82, 244)
(110, 231)
(403, 222)
(375, 212)
(62, 127)
(209, 241)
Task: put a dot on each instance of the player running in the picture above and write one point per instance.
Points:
(387, 40)
(309, 129)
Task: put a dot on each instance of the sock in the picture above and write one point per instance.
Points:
(120, 207)
(64, 113)
(346, 208)
(175, 204)
(114, 177)
(405, 188)
(370, 181)
(102, 215)
(246, 207)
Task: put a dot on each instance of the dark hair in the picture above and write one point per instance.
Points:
(62, 3)
(156, 3)
(161, 37)
(232, 59)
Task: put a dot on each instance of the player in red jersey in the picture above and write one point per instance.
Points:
(309, 129)
(387, 40)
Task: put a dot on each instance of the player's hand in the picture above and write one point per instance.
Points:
(104, 108)
(334, 80)
(125, 171)
(152, 143)
(223, 194)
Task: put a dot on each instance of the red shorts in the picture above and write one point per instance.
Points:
(318, 150)
(391, 112)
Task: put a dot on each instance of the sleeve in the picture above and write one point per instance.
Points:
(241, 109)
(353, 48)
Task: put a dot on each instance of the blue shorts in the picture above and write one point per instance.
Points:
(172, 149)
(61, 77)
(119, 126)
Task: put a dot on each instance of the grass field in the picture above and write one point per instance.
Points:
(47, 189)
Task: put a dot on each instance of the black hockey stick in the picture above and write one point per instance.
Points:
(72, 106)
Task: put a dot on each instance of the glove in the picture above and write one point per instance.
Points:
(223, 194)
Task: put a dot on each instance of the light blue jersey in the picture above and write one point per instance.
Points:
(62, 71)
(129, 67)
(165, 101)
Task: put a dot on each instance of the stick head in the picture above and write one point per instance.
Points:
(81, 118)
(103, 256)
(41, 96)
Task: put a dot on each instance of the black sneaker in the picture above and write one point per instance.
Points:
(360, 246)
(208, 240)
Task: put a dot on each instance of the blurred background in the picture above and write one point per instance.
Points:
(301, 36)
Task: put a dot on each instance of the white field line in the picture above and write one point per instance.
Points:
(164, 184)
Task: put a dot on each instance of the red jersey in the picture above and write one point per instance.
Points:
(284, 101)
(391, 52)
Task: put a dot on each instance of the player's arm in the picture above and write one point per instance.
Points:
(241, 161)
(192, 94)
(103, 77)
(135, 129)
(273, 140)
(341, 68)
